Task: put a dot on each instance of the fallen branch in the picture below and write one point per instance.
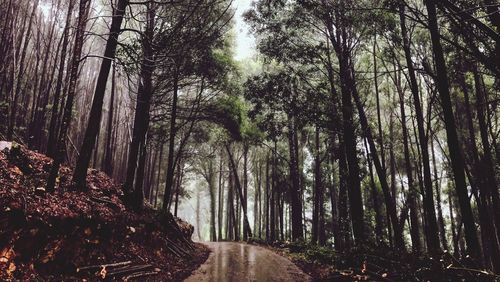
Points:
(471, 270)
(104, 201)
(127, 269)
(100, 266)
(140, 274)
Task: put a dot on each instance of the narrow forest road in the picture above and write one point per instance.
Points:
(241, 262)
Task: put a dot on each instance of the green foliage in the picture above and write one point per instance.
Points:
(314, 253)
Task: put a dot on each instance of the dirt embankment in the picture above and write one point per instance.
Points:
(71, 235)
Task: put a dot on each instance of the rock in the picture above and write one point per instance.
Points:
(186, 228)
(40, 191)
(5, 145)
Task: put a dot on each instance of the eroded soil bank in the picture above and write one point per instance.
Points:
(57, 236)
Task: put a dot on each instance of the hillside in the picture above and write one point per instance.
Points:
(70, 235)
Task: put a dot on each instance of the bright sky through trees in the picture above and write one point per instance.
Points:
(245, 42)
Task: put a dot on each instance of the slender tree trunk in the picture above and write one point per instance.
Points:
(82, 164)
(379, 119)
(272, 193)
(245, 186)
(389, 199)
(431, 228)
(442, 229)
(268, 191)
(138, 189)
(412, 192)
(212, 191)
(353, 179)
(221, 199)
(318, 190)
(376, 204)
(141, 119)
(59, 83)
(171, 143)
(198, 219)
(297, 230)
(108, 153)
(22, 69)
(453, 145)
(75, 63)
(239, 190)
(344, 221)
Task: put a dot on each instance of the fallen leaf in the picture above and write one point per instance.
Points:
(16, 170)
(11, 269)
(103, 272)
(87, 231)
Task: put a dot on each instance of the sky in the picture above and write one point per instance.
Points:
(245, 42)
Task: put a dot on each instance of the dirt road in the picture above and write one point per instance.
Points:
(241, 262)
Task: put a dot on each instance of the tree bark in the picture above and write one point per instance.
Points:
(453, 144)
(431, 227)
(141, 119)
(75, 63)
(108, 153)
(239, 189)
(82, 164)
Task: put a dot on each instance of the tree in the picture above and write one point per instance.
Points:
(451, 133)
(93, 125)
(66, 121)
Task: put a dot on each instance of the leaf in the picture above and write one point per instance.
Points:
(87, 231)
(52, 251)
(11, 269)
(16, 170)
(103, 272)
(6, 254)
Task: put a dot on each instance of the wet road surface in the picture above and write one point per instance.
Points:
(241, 262)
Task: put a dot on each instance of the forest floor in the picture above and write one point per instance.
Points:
(376, 264)
(69, 235)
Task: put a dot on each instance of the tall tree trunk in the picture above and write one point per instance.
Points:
(353, 179)
(453, 144)
(268, 191)
(272, 193)
(376, 204)
(22, 69)
(138, 188)
(297, 230)
(318, 190)
(379, 119)
(442, 229)
(221, 199)
(75, 63)
(108, 153)
(171, 141)
(82, 164)
(59, 83)
(412, 191)
(141, 119)
(239, 189)
(389, 199)
(212, 190)
(344, 221)
(245, 186)
(431, 227)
